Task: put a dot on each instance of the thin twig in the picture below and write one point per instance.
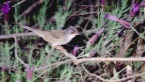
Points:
(83, 14)
(112, 38)
(16, 52)
(57, 63)
(19, 3)
(112, 79)
(76, 13)
(31, 7)
(135, 30)
(93, 74)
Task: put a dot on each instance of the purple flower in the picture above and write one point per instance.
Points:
(102, 2)
(101, 30)
(135, 9)
(122, 22)
(5, 8)
(142, 3)
(111, 17)
(95, 37)
(29, 71)
(76, 48)
(4, 68)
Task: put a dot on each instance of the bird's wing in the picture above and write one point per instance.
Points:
(38, 32)
(56, 34)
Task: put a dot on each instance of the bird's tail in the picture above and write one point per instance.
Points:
(28, 28)
(38, 32)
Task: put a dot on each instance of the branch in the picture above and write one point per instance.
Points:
(108, 59)
(16, 52)
(31, 7)
(49, 65)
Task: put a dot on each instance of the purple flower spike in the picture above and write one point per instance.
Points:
(135, 9)
(100, 31)
(5, 8)
(102, 2)
(95, 37)
(29, 71)
(124, 23)
(111, 17)
(142, 3)
(76, 48)
(4, 68)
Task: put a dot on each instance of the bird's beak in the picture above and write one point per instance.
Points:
(79, 33)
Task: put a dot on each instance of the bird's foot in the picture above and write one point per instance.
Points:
(61, 49)
(58, 47)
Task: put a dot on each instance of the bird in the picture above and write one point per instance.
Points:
(55, 37)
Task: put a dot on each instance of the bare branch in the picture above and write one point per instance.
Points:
(108, 59)
(16, 52)
(31, 7)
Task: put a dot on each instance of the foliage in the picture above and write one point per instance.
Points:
(49, 65)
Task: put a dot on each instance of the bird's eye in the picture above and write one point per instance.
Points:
(72, 32)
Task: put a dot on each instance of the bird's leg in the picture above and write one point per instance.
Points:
(62, 50)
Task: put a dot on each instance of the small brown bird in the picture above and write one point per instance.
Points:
(56, 37)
